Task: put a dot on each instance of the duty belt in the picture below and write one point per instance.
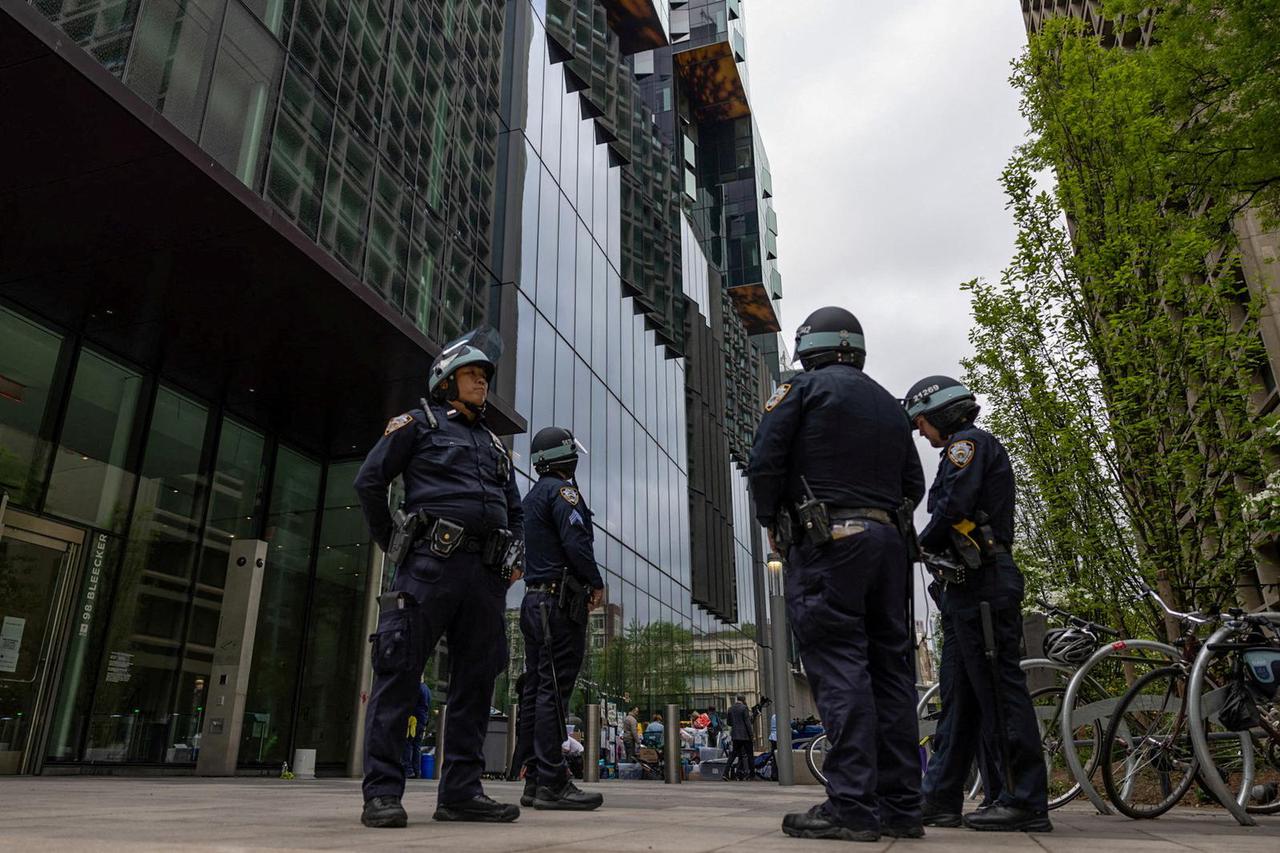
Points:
(549, 588)
(879, 516)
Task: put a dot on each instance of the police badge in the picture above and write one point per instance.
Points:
(397, 422)
(570, 494)
(778, 396)
(961, 453)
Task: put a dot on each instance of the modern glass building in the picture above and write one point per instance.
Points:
(233, 235)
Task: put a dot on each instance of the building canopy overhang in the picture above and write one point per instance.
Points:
(638, 24)
(715, 83)
(115, 225)
(755, 309)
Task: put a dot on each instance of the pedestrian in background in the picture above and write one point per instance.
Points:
(741, 732)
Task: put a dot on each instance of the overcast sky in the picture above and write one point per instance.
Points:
(887, 124)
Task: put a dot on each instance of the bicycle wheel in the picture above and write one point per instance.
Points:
(1148, 764)
(815, 755)
(1063, 787)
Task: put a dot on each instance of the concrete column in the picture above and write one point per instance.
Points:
(781, 689)
(232, 658)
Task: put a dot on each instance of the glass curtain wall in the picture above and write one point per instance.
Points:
(370, 124)
(164, 483)
(587, 360)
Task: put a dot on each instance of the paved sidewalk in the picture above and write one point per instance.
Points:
(86, 813)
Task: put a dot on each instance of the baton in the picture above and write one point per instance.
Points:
(989, 640)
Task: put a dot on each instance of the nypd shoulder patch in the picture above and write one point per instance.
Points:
(961, 453)
(570, 494)
(397, 422)
(778, 396)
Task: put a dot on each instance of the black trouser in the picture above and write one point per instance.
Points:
(459, 598)
(847, 604)
(541, 709)
(968, 701)
(743, 758)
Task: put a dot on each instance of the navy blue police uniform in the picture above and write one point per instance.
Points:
(558, 536)
(975, 481)
(456, 470)
(847, 599)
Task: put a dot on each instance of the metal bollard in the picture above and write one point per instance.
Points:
(671, 752)
(779, 639)
(512, 713)
(440, 727)
(591, 744)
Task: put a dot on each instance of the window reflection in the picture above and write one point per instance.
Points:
(141, 679)
(28, 359)
(90, 483)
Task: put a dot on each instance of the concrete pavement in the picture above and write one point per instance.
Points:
(94, 813)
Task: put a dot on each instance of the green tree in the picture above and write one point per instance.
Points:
(1118, 351)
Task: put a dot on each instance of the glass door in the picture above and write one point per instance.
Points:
(38, 561)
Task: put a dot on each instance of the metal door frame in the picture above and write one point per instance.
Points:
(36, 530)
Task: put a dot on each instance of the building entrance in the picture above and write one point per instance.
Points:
(39, 570)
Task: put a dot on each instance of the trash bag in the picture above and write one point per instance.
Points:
(1239, 711)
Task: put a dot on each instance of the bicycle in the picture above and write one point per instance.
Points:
(1148, 762)
(1247, 648)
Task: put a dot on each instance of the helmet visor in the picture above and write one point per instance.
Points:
(485, 339)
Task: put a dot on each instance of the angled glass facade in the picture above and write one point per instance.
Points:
(363, 180)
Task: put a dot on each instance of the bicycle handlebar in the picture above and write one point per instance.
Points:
(1191, 617)
(1076, 620)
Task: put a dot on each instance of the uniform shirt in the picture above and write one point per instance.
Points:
(451, 471)
(845, 434)
(973, 474)
(558, 533)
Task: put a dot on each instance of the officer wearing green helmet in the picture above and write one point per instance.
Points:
(986, 709)
(456, 550)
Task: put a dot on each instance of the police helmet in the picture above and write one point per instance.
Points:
(554, 448)
(830, 335)
(1072, 646)
(944, 402)
(482, 346)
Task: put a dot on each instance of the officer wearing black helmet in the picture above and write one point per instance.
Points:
(983, 690)
(832, 464)
(456, 543)
(562, 585)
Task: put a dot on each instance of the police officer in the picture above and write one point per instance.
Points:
(832, 464)
(971, 506)
(459, 538)
(562, 584)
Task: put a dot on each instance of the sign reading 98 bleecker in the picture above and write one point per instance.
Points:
(89, 600)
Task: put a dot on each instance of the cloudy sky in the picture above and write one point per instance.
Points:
(887, 124)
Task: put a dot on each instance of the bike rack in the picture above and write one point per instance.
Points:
(1101, 710)
(1200, 743)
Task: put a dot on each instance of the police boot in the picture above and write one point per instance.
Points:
(383, 812)
(568, 798)
(481, 809)
(902, 830)
(1005, 818)
(530, 790)
(819, 823)
(935, 815)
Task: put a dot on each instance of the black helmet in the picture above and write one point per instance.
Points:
(554, 447)
(830, 335)
(945, 402)
(1071, 646)
(482, 346)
